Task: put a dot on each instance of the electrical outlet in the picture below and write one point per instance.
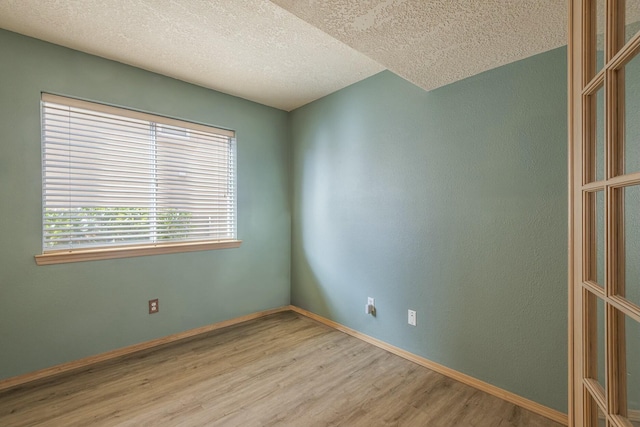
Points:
(154, 306)
(412, 318)
(370, 308)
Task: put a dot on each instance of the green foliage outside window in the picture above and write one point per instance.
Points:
(137, 225)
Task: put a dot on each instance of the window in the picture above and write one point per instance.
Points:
(120, 183)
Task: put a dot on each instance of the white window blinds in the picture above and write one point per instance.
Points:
(115, 177)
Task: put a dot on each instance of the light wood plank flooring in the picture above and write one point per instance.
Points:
(281, 370)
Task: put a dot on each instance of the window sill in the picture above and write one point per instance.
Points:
(67, 256)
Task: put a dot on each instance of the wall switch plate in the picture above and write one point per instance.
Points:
(412, 320)
(154, 306)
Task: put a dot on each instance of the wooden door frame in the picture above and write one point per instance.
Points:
(583, 82)
(574, 128)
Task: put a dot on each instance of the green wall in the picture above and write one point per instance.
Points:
(55, 314)
(451, 202)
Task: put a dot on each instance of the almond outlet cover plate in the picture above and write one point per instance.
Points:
(154, 306)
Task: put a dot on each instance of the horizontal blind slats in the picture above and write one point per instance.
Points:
(130, 114)
(117, 188)
(129, 165)
(113, 176)
(132, 143)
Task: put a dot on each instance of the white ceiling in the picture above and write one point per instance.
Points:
(249, 48)
(257, 50)
(432, 43)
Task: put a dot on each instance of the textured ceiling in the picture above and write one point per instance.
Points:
(257, 50)
(249, 48)
(436, 42)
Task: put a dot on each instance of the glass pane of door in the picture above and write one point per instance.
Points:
(631, 94)
(593, 413)
(631, 19)
(598, 35)
(602, 420)
(632, 371)
(595, 268)
(600, 356)
(599, 135)
(628, 284)
(595, 346)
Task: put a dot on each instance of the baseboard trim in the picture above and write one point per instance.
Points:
(125, 351)
(532, 406)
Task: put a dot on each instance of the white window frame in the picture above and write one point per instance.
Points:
(199, 234)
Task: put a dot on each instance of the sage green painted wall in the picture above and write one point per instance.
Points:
(54, 314)
(451, 202)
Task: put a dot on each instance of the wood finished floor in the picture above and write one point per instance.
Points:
(281, 370)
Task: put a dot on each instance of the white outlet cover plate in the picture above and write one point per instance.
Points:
(412, 317)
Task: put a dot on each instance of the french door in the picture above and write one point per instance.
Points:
(604, 210)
